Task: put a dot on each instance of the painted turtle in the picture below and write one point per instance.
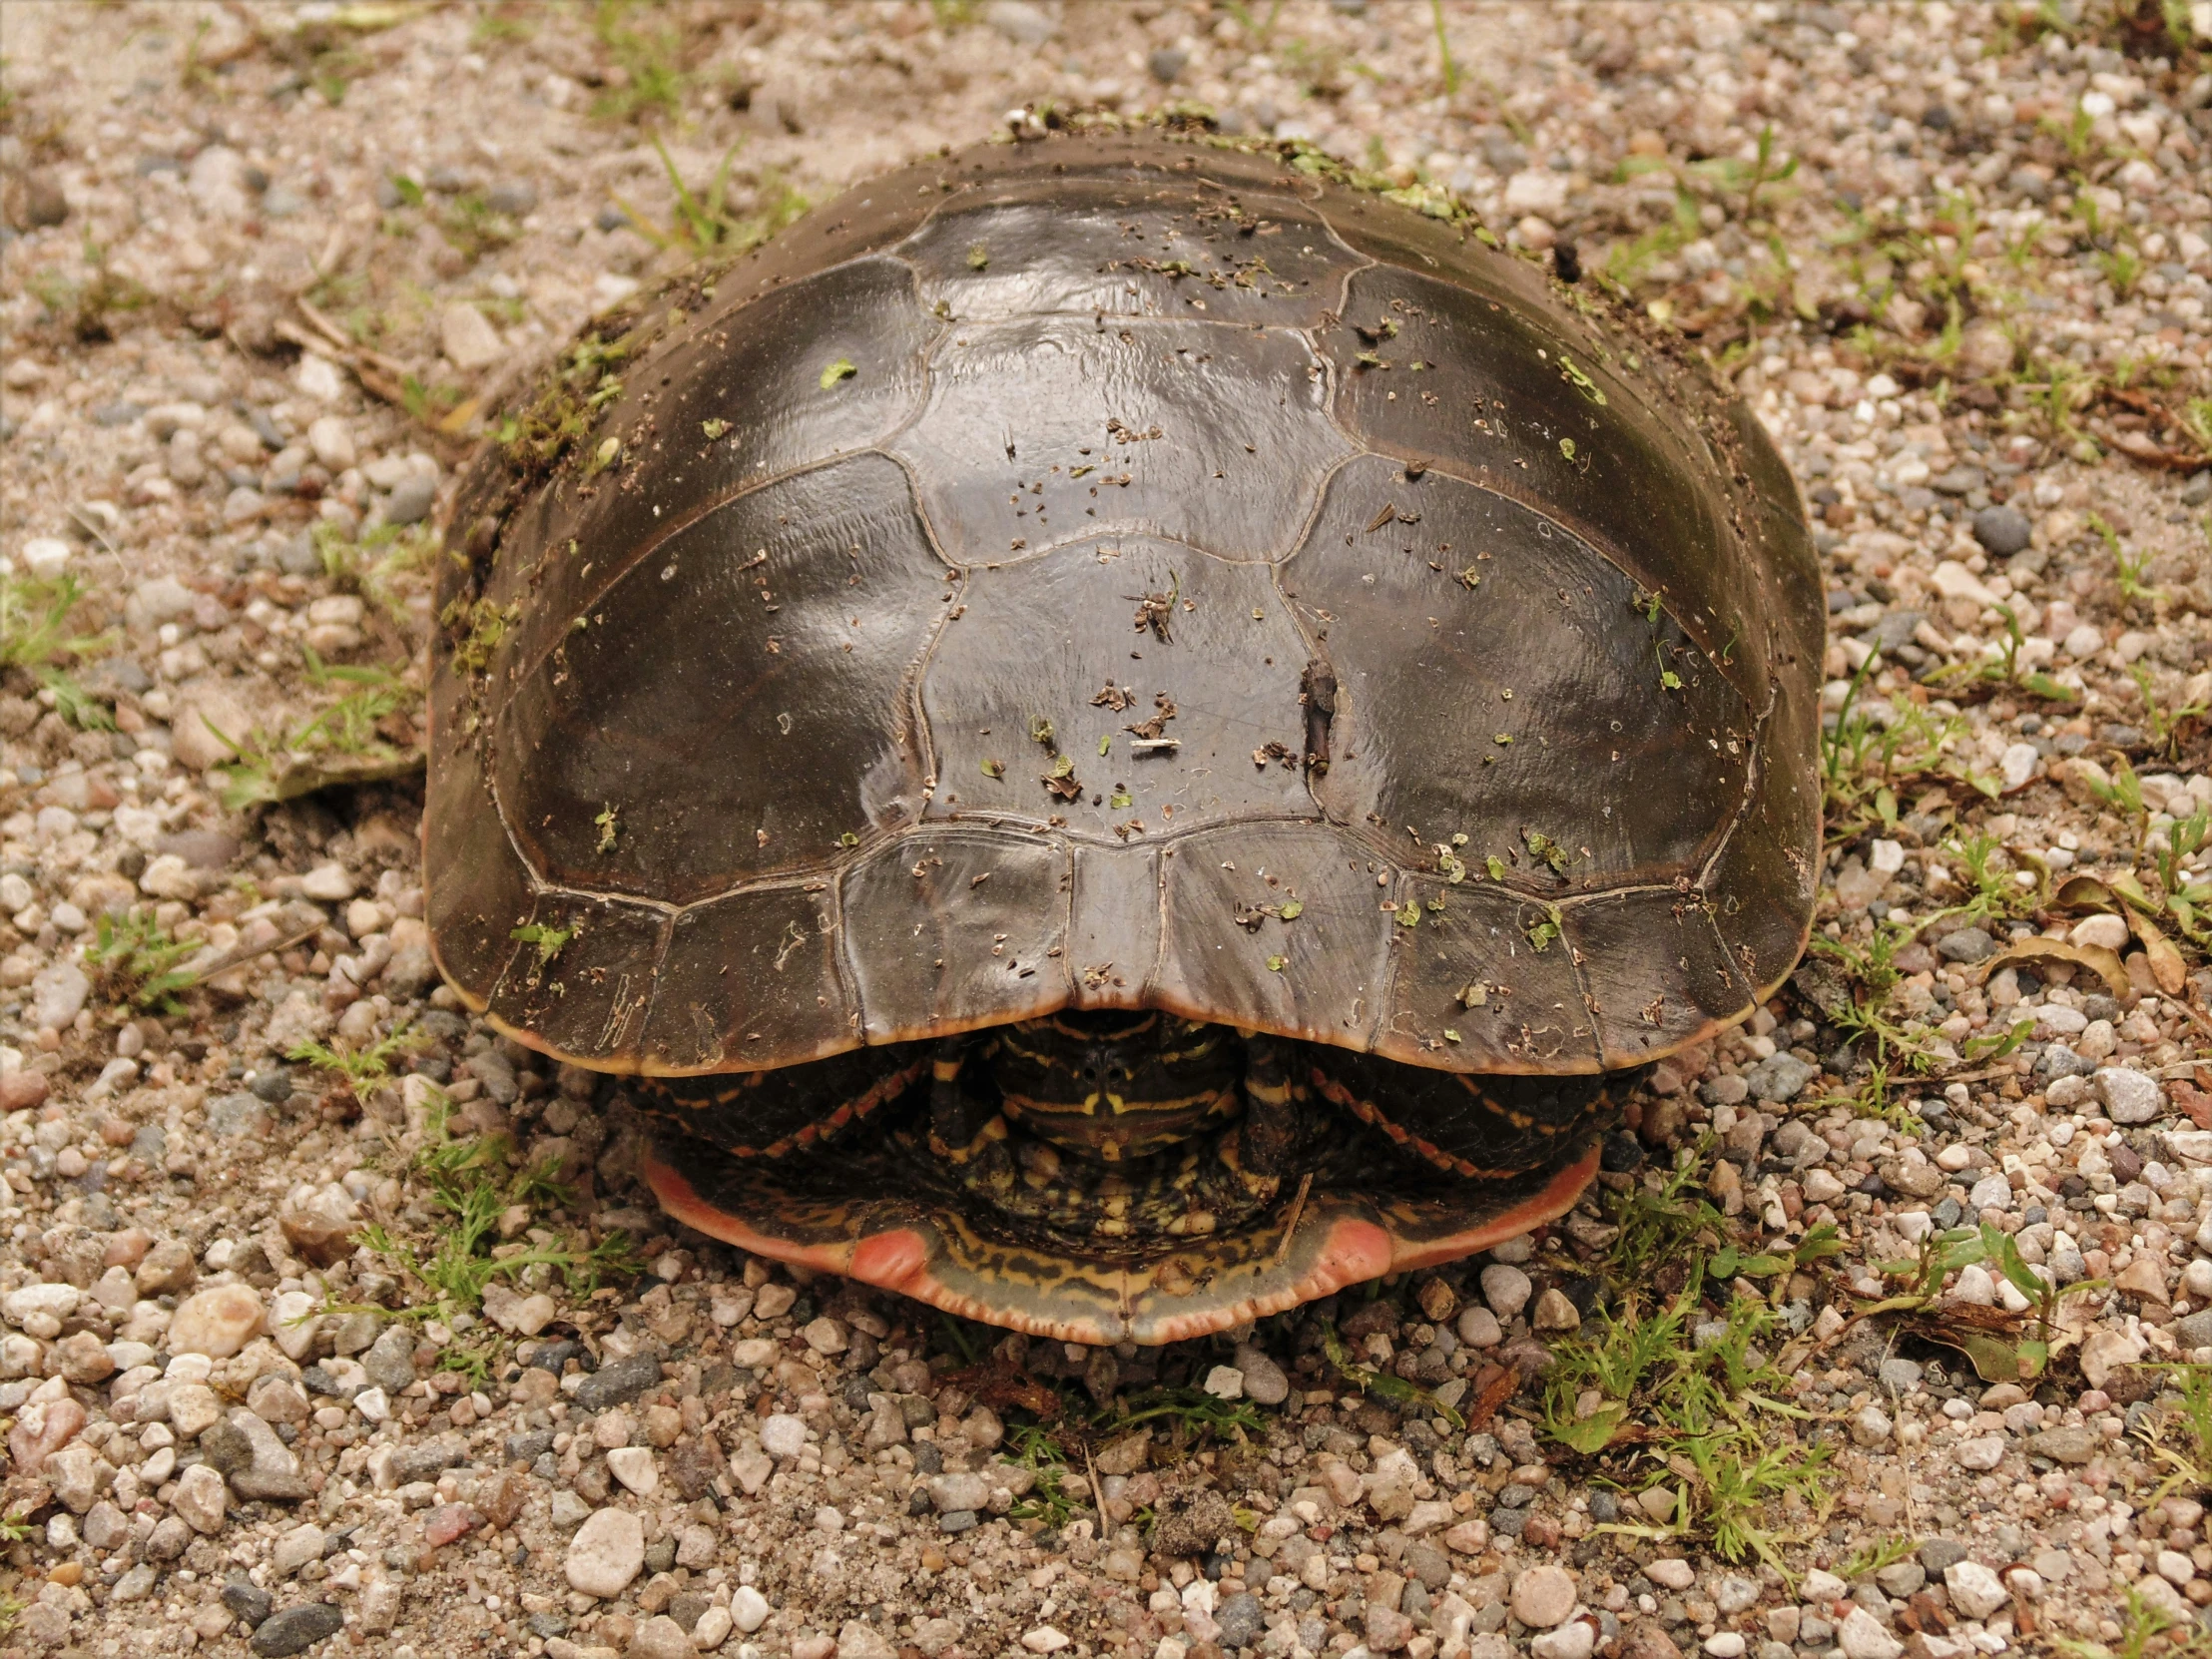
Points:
(1121, 732)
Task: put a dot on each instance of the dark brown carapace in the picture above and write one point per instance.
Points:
(1455, 757)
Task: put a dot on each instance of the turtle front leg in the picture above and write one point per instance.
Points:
(1268, 1141)
(962, 1129)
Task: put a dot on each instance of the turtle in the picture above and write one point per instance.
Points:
(1118, 730)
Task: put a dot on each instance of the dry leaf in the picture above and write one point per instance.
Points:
(2105, 964)
(2166, 965)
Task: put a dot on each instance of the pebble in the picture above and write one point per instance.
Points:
(296, 1629)
(1506, 1289)
(1263, 1381)
(1861, 1636)
(1671, 1572)
(2129, 1096)
(217, 1322)
(783, 1436)
(200, 1499)
(1544, 1596)
(749, 1609)
(2002, 531)
(607, 1552)
(1578, 1641)
(619, 1381)
(1974, 1590)
(636, 1467)
(661, 1637)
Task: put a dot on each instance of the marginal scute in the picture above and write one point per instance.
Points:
(659, 749)
(749, 980)
(1449, 725)
(1657, 970)
(477, 889)
(581, 976)
(1114, 925)
(1046, 429)
(952, 929)
(1229, 953)
(1488, 966)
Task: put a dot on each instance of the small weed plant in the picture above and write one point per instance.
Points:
(1676, 1390)
(475, 1182)
(134, 961)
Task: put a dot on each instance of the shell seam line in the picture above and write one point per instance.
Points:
(520, 672)
(796, 881)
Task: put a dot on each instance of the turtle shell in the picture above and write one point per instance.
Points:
(1120, 572)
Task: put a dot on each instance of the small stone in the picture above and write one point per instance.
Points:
(1736, 1594)
(468, 338)
(607, 1552)
(295, 1548)
(1671, 1573)
(248, 1601)
(1862, 1637)
(1554, 1312)
(332, 443)
(1778, 1078)
(1967, 944)
(1544, 1596)
(1570, 1641)
(749, 1609)
(391, 1359)
(826, 1336)
(1043, 1639)
(256, 1463)
(1240, 1620)
(1264, 1380)
(1872, 1426)
(1974, 1590)
(1506, 1289)
(859, 1639)
(200, 1499)
(1983, 1452)
(1166, 64)
(83, 1358)
(636, 1467)
(2002, 531)
(1479, 1328)
(619, 1381)
(2065, 1445)
(218, 1322)
(447, 1522)
(661, 1637)
(783, 1436)
(1224, 1382)
(411, 499)
(2129, 1096)
(296, 1629)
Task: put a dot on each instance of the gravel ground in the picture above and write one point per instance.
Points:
(265, 269)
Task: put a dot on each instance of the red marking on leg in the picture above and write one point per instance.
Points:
(1555, 1199)
(895, 1260)
(680, 1200)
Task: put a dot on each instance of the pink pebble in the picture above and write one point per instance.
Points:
(43, 1429)
(447, 1522)
(2093, 1401)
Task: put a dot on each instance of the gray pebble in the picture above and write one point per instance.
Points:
(296, 1629)
(2002, 531)
(1968, 945)
(410, 500)
(619, 1381)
